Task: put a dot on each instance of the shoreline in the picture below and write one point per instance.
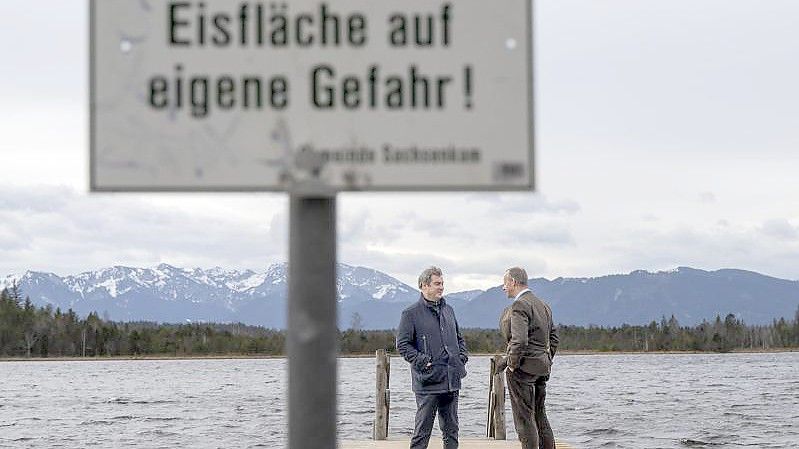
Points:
(363, 356)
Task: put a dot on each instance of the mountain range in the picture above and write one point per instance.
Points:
(170, 294)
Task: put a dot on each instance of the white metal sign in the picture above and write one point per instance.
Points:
(358, 94)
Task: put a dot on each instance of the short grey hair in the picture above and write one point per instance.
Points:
(427, 274)
(517, 274)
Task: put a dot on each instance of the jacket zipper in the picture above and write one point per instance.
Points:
(424, 342)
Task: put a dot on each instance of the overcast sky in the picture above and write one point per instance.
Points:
(667, 135)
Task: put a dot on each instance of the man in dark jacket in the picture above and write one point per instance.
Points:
(428, 338)
(528, 328)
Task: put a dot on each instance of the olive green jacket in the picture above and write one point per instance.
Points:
(527, 327)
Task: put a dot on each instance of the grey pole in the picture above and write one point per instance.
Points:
(312, 332)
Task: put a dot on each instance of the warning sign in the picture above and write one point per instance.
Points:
(358, 94)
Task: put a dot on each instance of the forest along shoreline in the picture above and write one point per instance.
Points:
(168, 357)
(28, 332)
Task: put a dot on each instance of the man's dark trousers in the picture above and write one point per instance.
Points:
(426, 406)
(527, 394)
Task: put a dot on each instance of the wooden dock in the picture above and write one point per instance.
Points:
(495, 422)
(435, 443)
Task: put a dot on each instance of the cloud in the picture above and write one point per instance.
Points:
(475, 269)
(41, 198)
(500, 204)
(467, 235)
(434, 226)
(279, 232)
(524, 233)
(707, 197)
(403, 265)
(780, 228)
(363, 226)
(706, 246)
(53, 228)
(13, 236)
(60, 230)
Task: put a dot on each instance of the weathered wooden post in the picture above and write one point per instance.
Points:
(490, 414)
(495, 425)
(382, 395)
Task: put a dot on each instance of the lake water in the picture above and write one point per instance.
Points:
(641, 401)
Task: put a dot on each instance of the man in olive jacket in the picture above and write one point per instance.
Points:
(528, 328)
(428, 338)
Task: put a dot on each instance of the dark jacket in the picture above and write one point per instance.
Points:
(429, 333)
(528, 328)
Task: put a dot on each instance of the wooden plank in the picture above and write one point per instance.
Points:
(490, 417)
(380, 431)
(498, 403)
(435, 443)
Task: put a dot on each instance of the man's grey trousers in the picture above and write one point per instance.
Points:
(446, 404)
(527, 395)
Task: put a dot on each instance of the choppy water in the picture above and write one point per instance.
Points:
(598, 401)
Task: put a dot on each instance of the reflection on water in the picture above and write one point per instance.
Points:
(620, 401)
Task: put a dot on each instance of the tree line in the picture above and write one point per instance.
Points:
(30, 331)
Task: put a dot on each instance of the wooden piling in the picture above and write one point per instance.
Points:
(382, 395)
(495, 424)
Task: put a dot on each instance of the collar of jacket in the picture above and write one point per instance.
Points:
(522, 293)
(430, 304)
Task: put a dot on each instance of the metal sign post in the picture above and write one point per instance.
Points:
(312, 332)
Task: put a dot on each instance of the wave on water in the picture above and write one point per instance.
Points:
(117, 419)
(159, 433)
(697, 443)
(97, 422)
(160, 418)
(368, 411)
(122, 400)
(605, 431)
(673, 408)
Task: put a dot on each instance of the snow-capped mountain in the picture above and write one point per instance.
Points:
(170, 294)
(353, 282)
